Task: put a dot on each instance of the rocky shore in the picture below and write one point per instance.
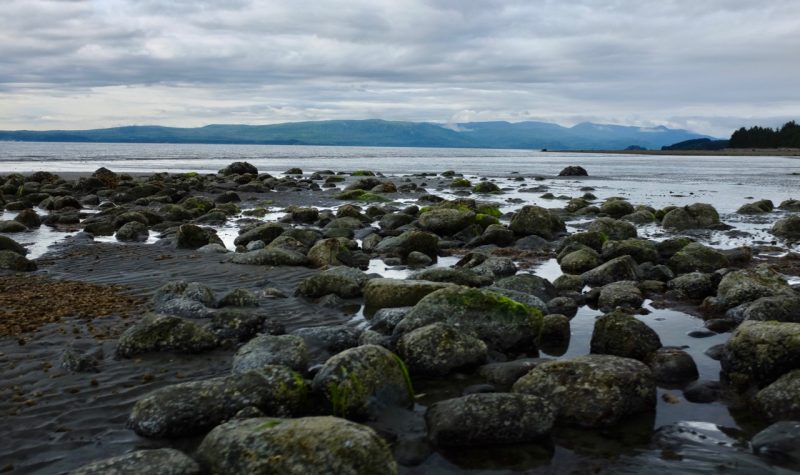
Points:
(241, 322)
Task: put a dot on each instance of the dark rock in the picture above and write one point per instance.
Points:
(623, 335)
(439, 349)
(265, 350)
(152, 462)
(164, 333)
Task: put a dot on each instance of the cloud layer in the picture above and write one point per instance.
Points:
(709, 66)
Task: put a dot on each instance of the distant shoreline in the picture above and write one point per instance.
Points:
(738, 152)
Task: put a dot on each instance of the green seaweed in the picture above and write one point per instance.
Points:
(406, 375)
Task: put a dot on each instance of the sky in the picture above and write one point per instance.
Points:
(710, 66)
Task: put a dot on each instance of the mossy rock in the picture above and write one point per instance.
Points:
(781, 399)
(620, 334)
(460, 183)
(8, 244)
(164, 333)
(362, 173)
(155, 461)
(759, 207)
(594, 391)
(362, 195)
(746, 285)
(265, 350)
(445, 222)
(614, 229)
(592, 239)
(695, 216)
(409, 241)
(535, 220)
(262, 446)
(695, 257)
(502, 323)
(270, 257)
(388, 293)
(616, 208)
(345, 282)
(438, 349)
(758, 353)
(787, 228)
(580, 261)
(199, 203)
(191, 236)
(359, 383)
(191, 408)
(486, 187)
(615, 270)
(640, 250)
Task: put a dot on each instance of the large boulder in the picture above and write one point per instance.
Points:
(445, 221)
(747, 285)
(330, 252)
(695, 257)
(387, 293)
(615, 270)
(694, 285)
(132, 231)
(361, 382)
(623, 335)
(580, 261)
(164, 333)
(529, 284)
(191, 236)
(535, 220)
(408, 242)
(695, 216)
(151, 462)
(592, 391)
(345, 282)
(616, 208)
(784, 307)
(573, 170)
(787, 228)
(239, 168)
(489, 419)
(262, 446)
(11, 260)
(264, 232)
(620, 294)
(672, 365)
(610, 228)
(640, 249)
(8, 244)
(270, 257)
(758, 353)
(265, 350)
(192, 408)
(502, 323)
(781, 399)
(438, 349)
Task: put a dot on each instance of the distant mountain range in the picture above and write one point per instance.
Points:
(522, 135)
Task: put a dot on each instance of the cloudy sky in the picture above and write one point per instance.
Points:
(709, 65)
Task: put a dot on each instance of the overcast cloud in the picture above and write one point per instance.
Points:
(709, 66)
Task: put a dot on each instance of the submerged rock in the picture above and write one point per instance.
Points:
(489, 419)
(592, 391)
(262, 446)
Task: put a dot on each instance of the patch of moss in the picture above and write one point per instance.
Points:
(361, 195)
(363, 173)
(485, 220)
(486, 187)
(256, 212)
(490, 210)
(191, 175)
(461, 183)
(269, 424)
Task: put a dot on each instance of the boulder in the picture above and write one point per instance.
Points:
(784, 307)
(361, 382)
(623, 335)
(152, 462)
(345, 282)
(639, 249)
(506, 373)
(616, 208)
(758, 353)
(265, 350)
(787, 228)
(672, 365)
(573, 170)
(8, 244)
(781, 399)
(190, 236)
(454, 276)
(529, 284)
(694, 285)
(164, 333)
(695, 257)
(386, 319)
(330, 252)
(593, 391)
(132, 231)
(188, 409)
(747, 285)
(409, 241)
(445, 221)
(759, 207)
(303, 446)
(620, 294)
(502, 323)
(555, 335)
(610, 228)
(535, 220)
(790, 205)
(695, 216)
(12, 227)
(489, 419)
(383, 293)
(14, 261)
(780, 441)
(270, 257)
(264, 232)
(238, 298)
(438, 349)
(239, 168)
(615, 270)
(580, 261)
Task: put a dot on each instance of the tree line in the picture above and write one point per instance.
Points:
(787, 136)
